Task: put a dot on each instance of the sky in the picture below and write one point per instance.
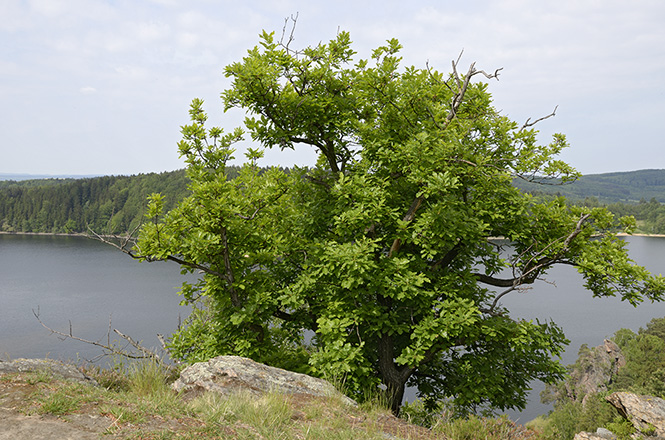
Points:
(94, 87)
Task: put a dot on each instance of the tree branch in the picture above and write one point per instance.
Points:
(462, 86)
(144, 353)
(124, 242)
(528, 124)
(294, 20)
(410, 214)
(532, 269)
(229, 277)
(449, 257)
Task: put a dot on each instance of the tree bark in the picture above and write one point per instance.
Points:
(393, 376)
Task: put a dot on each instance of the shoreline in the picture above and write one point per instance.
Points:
(62, 234)
(623, 234)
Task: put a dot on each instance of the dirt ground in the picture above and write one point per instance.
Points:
(87, 424)
(16, 426)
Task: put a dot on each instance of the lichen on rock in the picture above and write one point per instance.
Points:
(230, 374)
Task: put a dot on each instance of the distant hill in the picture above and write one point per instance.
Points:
(105, 204)
(21, 177)
(626, 187)
(115, 204)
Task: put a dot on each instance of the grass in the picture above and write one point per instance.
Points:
(136, 402)
(475, 427)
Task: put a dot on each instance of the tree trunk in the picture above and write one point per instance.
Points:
(393, 376)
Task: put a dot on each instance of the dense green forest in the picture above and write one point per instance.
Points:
(109, 205)
(625, 187)
(115, 204)
(637, 193)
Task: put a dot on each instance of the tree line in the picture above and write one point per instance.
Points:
(650, 215)
(116, 204)
(627, 187)
(109, 204)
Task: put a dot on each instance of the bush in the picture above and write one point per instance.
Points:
(569, 418)
(474, 427)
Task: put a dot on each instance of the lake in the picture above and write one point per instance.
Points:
(82, 281)
(584, 319)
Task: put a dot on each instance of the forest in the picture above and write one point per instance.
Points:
(626, 187)
(116, 204)
(108, 205)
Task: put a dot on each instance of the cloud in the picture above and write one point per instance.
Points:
(590, 57)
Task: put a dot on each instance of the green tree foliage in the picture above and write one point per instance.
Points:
(107, 205)
(644, 372)
(386, 252)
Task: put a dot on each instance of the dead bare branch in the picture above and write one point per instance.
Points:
(463, 84)
(148, 353)
(294, 21)
(124, 243)
(528, 122)
(108, 348)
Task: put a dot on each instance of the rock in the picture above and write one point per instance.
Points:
(592, 436)
(605, 433)
(594, 370)
(646, 413)
(51, 366)
(230, 374)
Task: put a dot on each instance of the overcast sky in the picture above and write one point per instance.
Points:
(102, 86)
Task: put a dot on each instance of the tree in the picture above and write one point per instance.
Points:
(392, 253)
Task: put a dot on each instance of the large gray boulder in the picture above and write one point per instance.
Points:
(231, 374)
(49, 366)
(646, 413)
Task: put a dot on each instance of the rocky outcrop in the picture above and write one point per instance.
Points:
(646, 413)
(594, 370)
(230, 374)
(49, 366)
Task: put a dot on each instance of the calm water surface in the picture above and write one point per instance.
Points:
(78, 280)
(583, 318)
(82, 281)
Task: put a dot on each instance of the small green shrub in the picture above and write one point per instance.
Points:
(474, 427)
(418, 413)
(569, 418)
(621, 427)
